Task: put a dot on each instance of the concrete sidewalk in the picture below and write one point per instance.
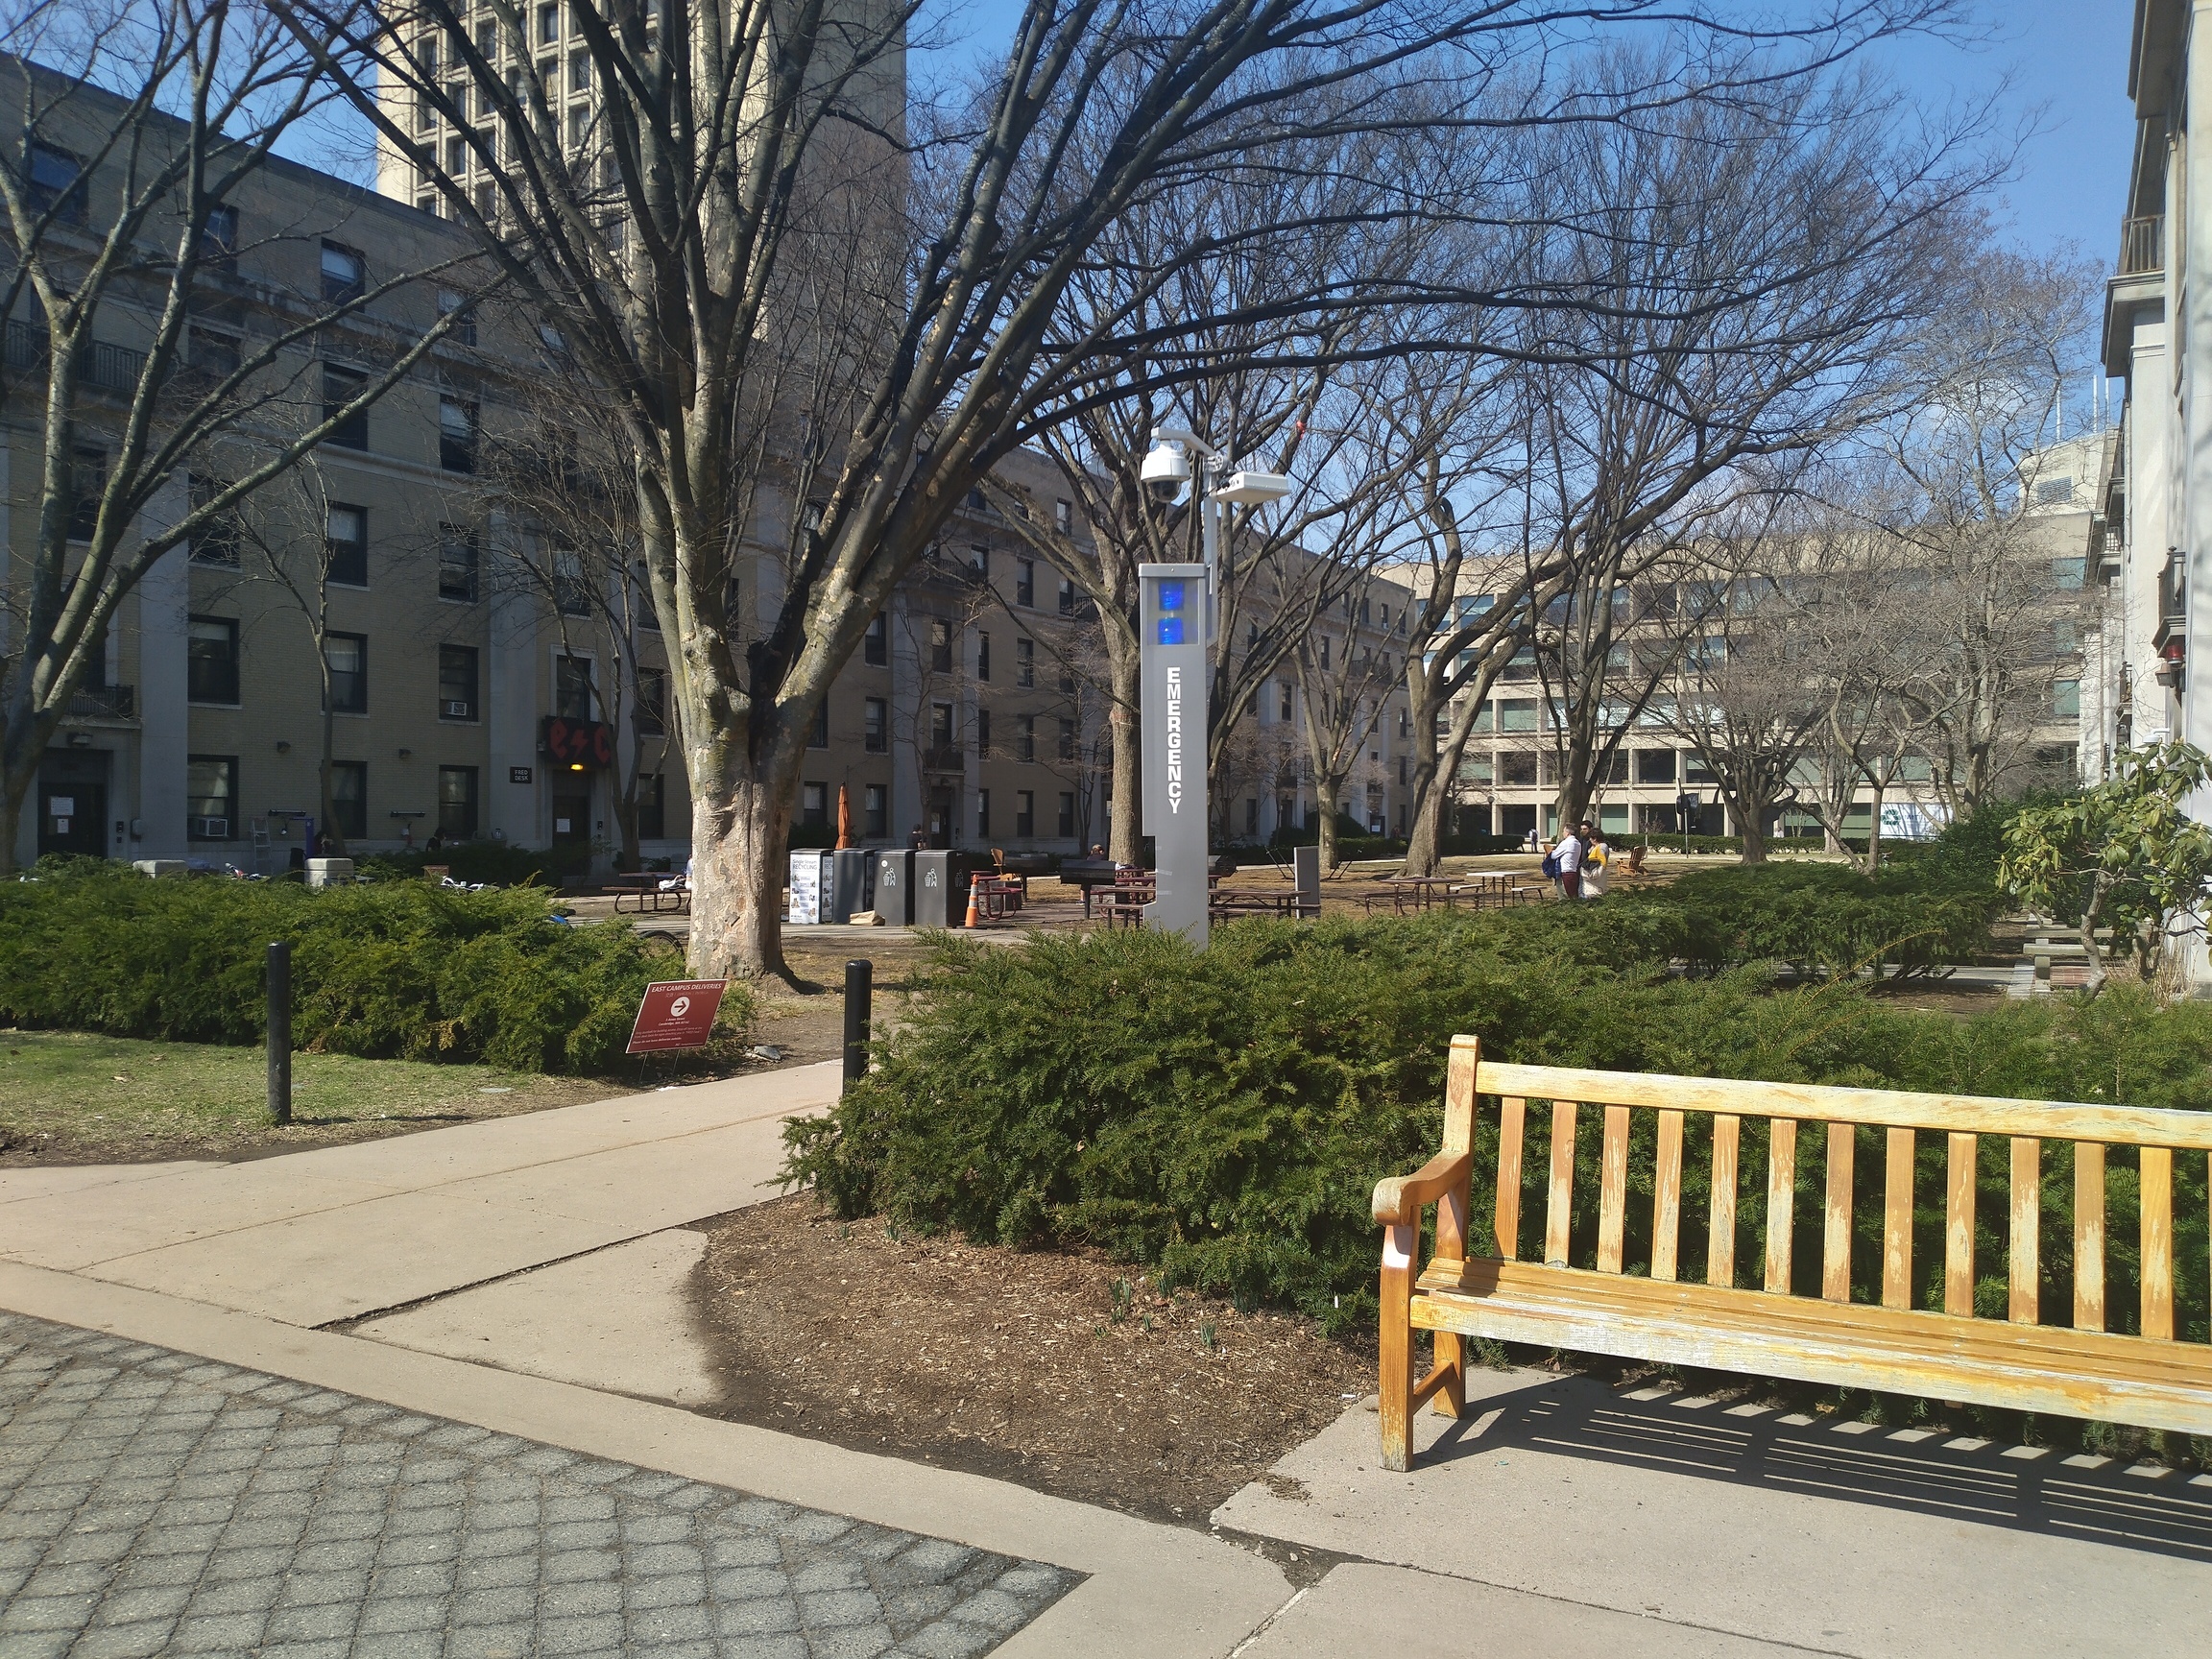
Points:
(316, 1237)
(1564, 1517)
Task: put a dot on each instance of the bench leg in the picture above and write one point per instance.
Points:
(1452, 1360)
(1394, 1391)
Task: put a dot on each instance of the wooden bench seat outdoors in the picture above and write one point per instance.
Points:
(1630, 1301)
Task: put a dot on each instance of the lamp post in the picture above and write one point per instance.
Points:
(1176, 621)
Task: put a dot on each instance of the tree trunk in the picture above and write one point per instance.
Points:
(1752, 824)
(1874, 828)
(1328, 791)
(738, 867)
(15, 789)
(1125, 837)
(2101, 884)
(329, 741)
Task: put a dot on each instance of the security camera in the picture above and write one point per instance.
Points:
(1166, 471)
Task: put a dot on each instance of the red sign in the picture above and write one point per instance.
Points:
(589, 743)
(676, 1015)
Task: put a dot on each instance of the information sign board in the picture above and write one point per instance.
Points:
(676, 1014)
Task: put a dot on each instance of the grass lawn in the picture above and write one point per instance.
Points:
(69, 1097)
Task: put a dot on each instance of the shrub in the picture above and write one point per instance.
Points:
(1823, 919)
(494, 863)
(1223, 1115)
(402, 969)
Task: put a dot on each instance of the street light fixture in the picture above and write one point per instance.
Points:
(1177, 620)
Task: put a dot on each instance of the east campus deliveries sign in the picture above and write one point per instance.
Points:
(676, 1014)
(1173, 656)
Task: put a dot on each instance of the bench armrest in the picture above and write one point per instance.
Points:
(1400, 1199)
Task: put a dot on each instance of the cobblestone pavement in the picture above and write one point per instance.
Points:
(156, 1502)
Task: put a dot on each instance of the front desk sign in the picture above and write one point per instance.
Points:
(676, 1014)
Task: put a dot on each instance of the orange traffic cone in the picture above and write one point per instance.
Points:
(972, 917)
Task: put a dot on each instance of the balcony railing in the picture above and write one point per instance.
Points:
(2143, 245)
(944, 757)
(104, 703)
(101, 366)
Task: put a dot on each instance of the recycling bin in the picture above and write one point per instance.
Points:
(895, 887)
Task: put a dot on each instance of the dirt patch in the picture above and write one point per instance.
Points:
(1059, 1370)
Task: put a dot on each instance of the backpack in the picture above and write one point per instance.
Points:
(1552, 866)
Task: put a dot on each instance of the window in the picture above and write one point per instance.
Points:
(211, 660)
(340, 386)
(549, 25)
(876, 809)
(457, 682)
(982, 732)
(1064, 516)
(456, 434)
(1025, 583)
(571, 594)
(979, 560)
(348, 655)
(1024, 813)
(1283, 700)
(1025, 741)
(56, 181)
(214, 353)
(876, 725)
(87, 483)
(1067, 597)
(1025, 661)
(1067, 740)
(1517, 767)
(2066, 574)
(457, 306)
(579, 125)
(1654, 765)
(344, 274)
(579, 72)
(345, 546)
(940, 645)
(1067, 813)
(2051, 491)
(983, 656)
(983, 814)
(457, 801)
(1068, 679)
(1324, 652)
(814, 805)
(941, 726)
(818, 734)
(219, 238)
(2066, 699)
(1693, 768)
(652, 702)
(350, 797)
(218, 543)
(210, 796)
(876, 645)
(572, 687)
(1367, 617)
(1517, 715)
(456, 560)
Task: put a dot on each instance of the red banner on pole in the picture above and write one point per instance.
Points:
(678, 1014)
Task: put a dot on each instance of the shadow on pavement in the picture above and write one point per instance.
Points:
(2166, 1513)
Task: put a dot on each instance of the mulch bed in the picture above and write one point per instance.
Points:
(1059, 1370)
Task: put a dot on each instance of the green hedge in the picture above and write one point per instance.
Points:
(1223, 1117)
(402, 969)
(1824, 920)
(496, 863)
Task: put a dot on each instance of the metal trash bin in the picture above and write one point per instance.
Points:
(852, 871)
(894, 899)
(937, 901)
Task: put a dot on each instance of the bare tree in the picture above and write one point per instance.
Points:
(143, 129)
(726, 137)
(1961, 498)
(1815, 222)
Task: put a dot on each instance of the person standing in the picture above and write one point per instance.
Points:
(1567, 855)
(1595, 858)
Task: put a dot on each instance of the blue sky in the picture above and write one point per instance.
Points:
(2068, 64)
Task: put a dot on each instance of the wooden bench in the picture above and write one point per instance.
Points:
(1632, 1302)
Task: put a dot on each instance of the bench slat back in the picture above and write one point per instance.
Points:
(2153, 1136)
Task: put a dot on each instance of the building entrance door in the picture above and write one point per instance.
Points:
(73, 802)
(572, 815)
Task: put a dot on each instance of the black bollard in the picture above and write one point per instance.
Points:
(859, 988)
(281, 1032)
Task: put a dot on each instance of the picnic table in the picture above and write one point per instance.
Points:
(664, 892)
(1292, 904)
